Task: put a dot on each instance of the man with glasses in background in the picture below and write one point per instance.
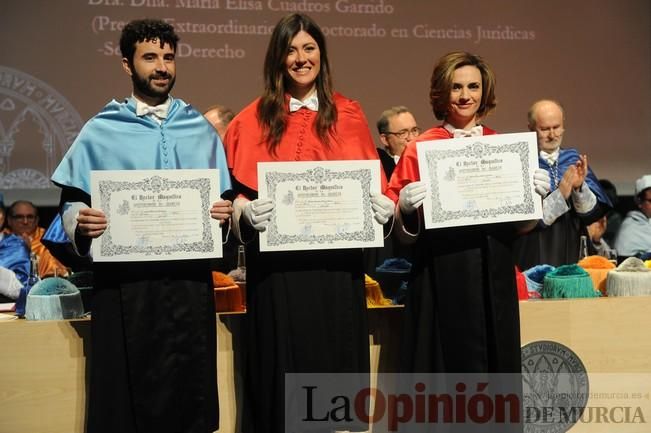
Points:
(396, 127)
(22, 220)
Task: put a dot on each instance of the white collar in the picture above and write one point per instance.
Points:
(160, 110)
(550, 158)
(475, 131)
(311, 103)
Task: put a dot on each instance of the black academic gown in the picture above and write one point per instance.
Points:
(153, 348)
(461, 318)
(461, 315)
(388, 163)
(306, 313)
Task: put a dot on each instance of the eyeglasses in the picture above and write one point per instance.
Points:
(404, 133)
(23, 217)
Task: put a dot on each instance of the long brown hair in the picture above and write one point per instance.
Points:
(271, 108)
(442, 77)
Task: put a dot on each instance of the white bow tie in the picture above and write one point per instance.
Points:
(550, 158)
(311, 103)
(159, 111)
(475, 131)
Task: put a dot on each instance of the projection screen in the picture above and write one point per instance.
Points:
(60, 63)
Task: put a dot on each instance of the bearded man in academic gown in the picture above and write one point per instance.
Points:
(576, 199)
(153, 366)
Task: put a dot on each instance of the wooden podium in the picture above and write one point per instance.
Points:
(43, 364)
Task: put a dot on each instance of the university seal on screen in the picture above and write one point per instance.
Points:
(555, 387)
(37, 126)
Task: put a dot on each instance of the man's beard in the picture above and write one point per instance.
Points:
(550, 146)
(144, 86)
(557, 143)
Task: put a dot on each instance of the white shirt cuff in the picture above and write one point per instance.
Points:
(554, 205)
(584, 199)
(69, 218)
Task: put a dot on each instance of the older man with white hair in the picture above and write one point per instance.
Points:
(576, 198)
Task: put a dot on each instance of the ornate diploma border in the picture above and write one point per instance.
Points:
(479, 150)
(320, 175)
(157, 184)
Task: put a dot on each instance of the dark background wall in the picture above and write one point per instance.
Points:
(59, 64)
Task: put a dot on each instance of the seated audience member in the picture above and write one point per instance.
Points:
(14, 256)
(597, 231)
(219, 117)
(575, 201)
(14, 262)
(10, 286)
(22, 219)
(3, 214)
(634, 236)
(613, 216)
(396, 127)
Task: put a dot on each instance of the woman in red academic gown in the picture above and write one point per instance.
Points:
(306, 309)
(461, 312)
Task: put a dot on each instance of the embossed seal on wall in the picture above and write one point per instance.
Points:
(37, 126)
(555, 387)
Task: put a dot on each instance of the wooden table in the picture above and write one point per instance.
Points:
(43, 364)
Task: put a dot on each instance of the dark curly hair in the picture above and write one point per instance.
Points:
(146, 30)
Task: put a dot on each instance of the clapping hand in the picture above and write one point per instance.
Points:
(581, 171)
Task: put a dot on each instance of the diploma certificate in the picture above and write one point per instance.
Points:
(320, 205)
(156, 215)
(479, 180)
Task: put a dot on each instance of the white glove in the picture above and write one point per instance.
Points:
(541, 182)
(383, 207)
(257, 213)
(412, 196)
